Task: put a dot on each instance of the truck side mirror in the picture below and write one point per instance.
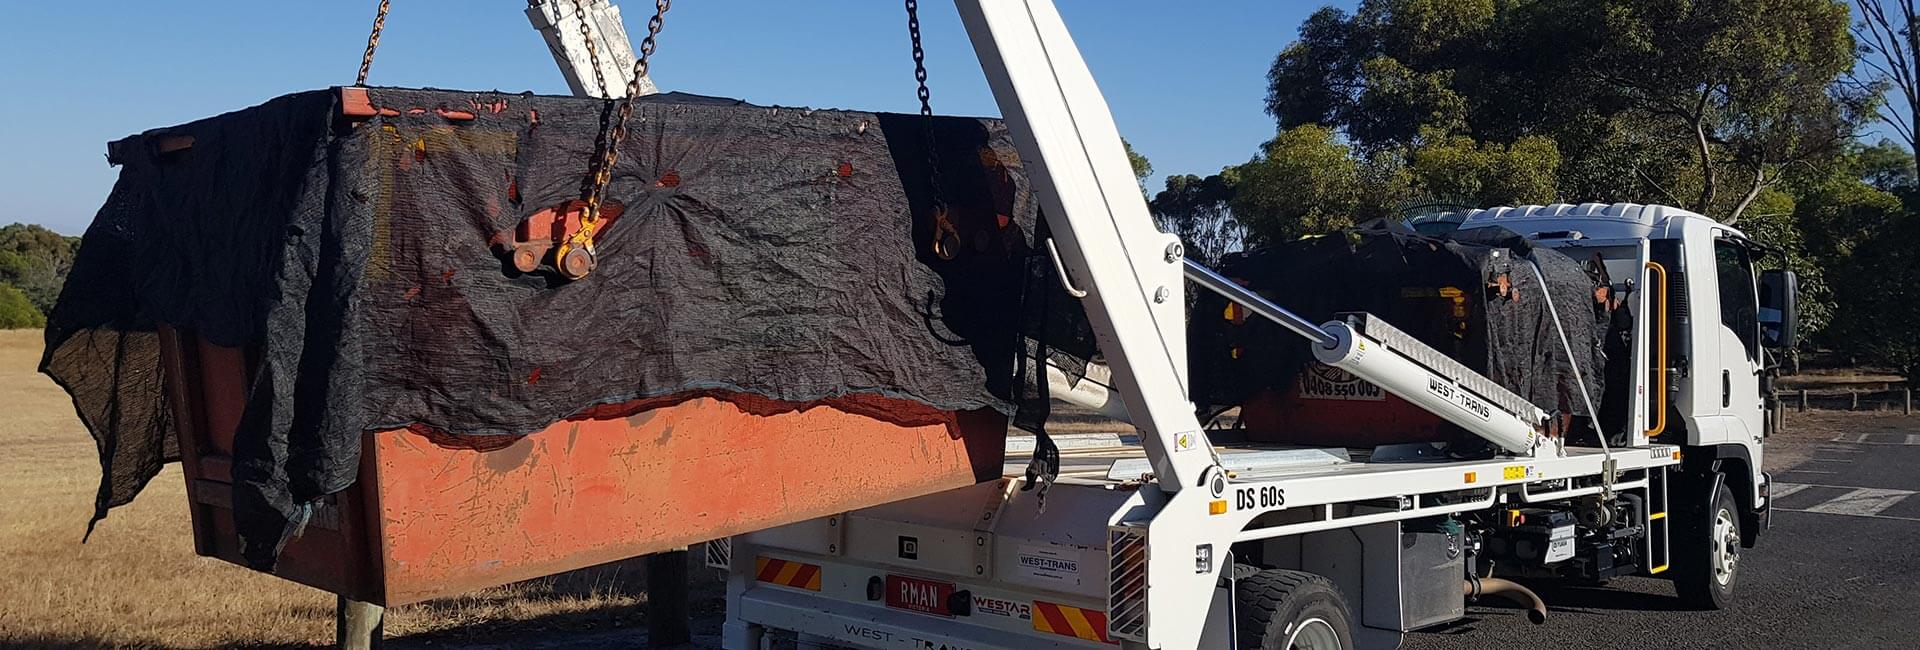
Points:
(1779, 308)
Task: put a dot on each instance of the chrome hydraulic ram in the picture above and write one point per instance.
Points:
(1256, 303)
(1401, 365)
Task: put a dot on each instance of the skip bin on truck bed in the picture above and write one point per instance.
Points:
(341, 309)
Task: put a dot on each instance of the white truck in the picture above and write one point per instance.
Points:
(1180, 539)
(1278, 548)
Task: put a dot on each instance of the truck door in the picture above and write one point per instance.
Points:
(1737, 385)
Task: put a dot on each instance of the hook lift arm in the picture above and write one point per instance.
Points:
(561, 28)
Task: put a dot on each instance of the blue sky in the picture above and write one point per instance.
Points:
(1185, 80)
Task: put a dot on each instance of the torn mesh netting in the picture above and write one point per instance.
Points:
(780, 252)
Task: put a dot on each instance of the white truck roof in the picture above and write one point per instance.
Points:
(1592, 220)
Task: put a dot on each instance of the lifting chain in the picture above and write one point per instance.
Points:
(600, 171)
(373, 41)
(945, 238)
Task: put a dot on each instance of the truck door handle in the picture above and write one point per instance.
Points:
(1726, 388)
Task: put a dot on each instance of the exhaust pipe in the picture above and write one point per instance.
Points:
(1536, 609)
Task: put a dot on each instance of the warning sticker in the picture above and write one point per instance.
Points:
(1321, 381)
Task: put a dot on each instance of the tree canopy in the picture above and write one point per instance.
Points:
(16, 312)
(1704, 105)
(34, 262)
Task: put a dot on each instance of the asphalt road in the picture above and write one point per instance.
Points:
(1840, 568)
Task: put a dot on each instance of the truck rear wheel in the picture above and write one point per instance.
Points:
(1708, 553)
(1283, 610)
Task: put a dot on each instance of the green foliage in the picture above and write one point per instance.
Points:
(1460, 170)
(35, 261)
(16, 312)
(1840, 214)
(1773, 220)
(1397, 103)
(1885, 165)
(1877, 298)
(1197, 210)
(1704, 104)
(1142, 168)
(1304, 182)
(1862, 238)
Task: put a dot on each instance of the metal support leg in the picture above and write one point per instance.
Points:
(358, 625)
(736, 633)
(667, 613)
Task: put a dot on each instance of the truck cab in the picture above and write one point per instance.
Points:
(1714, 323)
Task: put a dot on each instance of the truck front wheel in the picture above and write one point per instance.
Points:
(1291, 610)
(1708, 553)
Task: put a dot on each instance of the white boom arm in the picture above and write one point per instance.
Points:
(1107, 244)
(561, 28)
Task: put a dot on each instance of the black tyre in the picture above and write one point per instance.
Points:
(1706, 550)
(1282, 610)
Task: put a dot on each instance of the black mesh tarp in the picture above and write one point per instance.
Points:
(1408, 279)
(774, 251)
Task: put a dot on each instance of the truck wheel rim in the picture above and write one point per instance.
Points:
(1726, 545)
(1314, 634)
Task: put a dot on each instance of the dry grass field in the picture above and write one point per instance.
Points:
(137, 583)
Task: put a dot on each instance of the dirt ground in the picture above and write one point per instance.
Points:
(137, 583)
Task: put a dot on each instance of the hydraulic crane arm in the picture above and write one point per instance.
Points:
(1106, 242)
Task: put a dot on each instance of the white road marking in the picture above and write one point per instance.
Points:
(1865, 502)
(1856, 502)
(1840, 450)
(1912, 439)
(1808, 471)
(1831, 460)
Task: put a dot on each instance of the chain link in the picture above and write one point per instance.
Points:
(600, 172)
(946, 239)
(373, 42)
(593, 50)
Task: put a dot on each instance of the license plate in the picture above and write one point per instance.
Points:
(919, 595)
